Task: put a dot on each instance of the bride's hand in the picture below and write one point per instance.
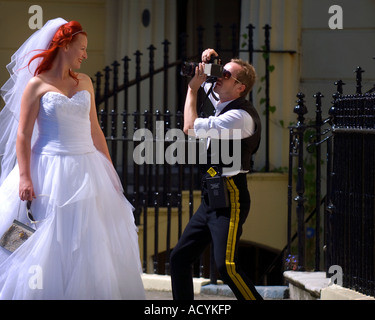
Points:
(26, 189)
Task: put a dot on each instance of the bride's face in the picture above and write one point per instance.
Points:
(76, 51)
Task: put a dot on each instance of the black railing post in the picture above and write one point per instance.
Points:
(179, 125)
(166, 44)
(234, 40)
(250, 41)
(135, 200)
(290, 189)
(329, 211)
(250, 48)
(166, 166)
(267, 29)
(168, 194)
(339, 84)
(331, 214)
(114, 113)
(330, 227)
(115, 65)
(125, 140)
(151, 73)
(182, 81)
(318, 126)
(146, 185)
(369, 205)
(104, 111)
(137, 115)
(150, 124)
(191, 186)
(358, 71)
(300, 110)
(98, 77)
(126, 60)
(159, 135)
(138, 55)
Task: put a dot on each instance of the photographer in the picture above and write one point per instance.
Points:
(216, 220)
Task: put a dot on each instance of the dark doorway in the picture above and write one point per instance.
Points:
(208, 14)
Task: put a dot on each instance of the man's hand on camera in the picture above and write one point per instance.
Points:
(199, 77)
(206, 55)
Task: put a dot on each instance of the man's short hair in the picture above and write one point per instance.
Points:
(246, 76)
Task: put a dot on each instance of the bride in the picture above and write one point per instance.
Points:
(54, 154)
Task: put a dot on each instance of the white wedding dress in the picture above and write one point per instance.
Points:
(86, 242)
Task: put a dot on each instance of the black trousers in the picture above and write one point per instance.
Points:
(222, 227)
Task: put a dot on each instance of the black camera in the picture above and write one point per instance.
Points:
(213, 69)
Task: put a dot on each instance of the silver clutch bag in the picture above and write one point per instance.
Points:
(18, 232)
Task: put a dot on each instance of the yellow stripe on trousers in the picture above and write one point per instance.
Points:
(231, 242)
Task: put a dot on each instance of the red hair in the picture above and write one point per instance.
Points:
(64, 35)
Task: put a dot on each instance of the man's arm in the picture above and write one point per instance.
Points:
(190, 109)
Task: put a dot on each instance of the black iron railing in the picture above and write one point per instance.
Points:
(346, 231)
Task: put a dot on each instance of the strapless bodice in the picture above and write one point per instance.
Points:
(64, 125)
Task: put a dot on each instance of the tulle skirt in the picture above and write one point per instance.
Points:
(85, 245)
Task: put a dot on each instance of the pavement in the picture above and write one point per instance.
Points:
(167, 295)
(158, 287)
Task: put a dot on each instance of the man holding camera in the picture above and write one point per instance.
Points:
(226, 200)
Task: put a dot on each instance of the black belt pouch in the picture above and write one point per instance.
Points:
(217, 192)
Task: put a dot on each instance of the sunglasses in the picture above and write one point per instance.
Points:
(227, 75)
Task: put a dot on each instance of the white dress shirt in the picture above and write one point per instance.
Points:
(233, 119)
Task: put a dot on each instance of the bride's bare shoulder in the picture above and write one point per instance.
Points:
(36, 87)
(84, 77)
(35, 81)
(85, 82)
(34, 84)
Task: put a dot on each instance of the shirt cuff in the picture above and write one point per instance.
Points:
(202, 125)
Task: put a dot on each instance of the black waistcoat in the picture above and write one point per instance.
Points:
(249, 145)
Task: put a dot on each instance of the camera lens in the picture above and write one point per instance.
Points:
(188, 69)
